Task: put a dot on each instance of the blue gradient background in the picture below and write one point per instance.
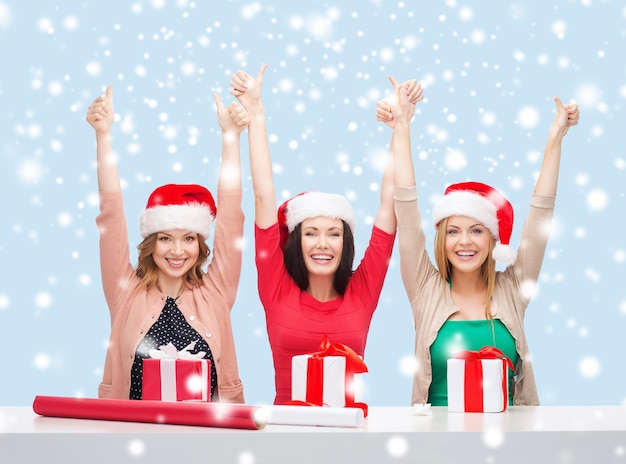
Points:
(489, 70)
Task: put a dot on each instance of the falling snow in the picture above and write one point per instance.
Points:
(589, 367)
(493, 438)
(489, 73)
(246, 457)
(136, 448)
(397, 446)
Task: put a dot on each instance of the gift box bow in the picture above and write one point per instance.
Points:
(354, 363)
(169, 351)
(486, 352)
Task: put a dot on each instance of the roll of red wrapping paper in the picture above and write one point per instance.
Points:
(226, 415)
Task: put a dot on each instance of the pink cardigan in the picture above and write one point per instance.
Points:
(134, 308)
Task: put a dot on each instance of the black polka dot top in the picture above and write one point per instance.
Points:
(170, 327)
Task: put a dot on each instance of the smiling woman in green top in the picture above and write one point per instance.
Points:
(463, 302)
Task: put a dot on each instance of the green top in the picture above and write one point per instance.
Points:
(466, 335)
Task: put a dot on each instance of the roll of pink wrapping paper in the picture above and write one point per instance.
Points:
(236, 416)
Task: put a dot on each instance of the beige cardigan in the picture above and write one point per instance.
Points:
(133, 308)
(431, 300)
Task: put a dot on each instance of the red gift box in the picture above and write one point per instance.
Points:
(327, 377)
(176, 375)
(478, 381)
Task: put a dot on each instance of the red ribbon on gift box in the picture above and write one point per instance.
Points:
(315, 374)
(474, 375)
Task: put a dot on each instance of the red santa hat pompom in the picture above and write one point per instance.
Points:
(487, 205)
(175, 206)
(307, 205)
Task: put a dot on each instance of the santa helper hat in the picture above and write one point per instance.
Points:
(307, 205)
(174, 206)
(485, 204)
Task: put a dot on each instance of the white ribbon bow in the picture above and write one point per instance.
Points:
(422, 409)
(169, 351)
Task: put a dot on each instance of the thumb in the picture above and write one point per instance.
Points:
(393, 81)
(559, 104)
(218, 102)
(109, 92)
(259, 76)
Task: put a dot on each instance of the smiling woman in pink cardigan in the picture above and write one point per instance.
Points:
(167, 297)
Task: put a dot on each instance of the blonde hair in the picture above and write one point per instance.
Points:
(444, 266)
(148, 271)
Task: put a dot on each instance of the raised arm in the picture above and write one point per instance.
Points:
(398, 116)
(100, 115)
(415, 265)
(248, 91)
(115, 266)
(397, 112)
(233, 120)
(386, 216)
(566, 116)
(224, 269)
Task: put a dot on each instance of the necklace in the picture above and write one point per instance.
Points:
(180, 292)
(182, 289)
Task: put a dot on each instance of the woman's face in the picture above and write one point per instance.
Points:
(468, 243)
(176, 252)
(322, 244)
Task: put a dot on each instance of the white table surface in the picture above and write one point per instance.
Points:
(551, 434)
(380, 419)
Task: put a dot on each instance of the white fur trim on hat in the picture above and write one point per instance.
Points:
(313, 204)
(194, 217)
(503, 254)
(470, 204)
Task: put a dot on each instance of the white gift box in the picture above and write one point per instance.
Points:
(492, 390)
(333, 387)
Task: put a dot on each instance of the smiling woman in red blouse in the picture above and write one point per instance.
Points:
(304, 254)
